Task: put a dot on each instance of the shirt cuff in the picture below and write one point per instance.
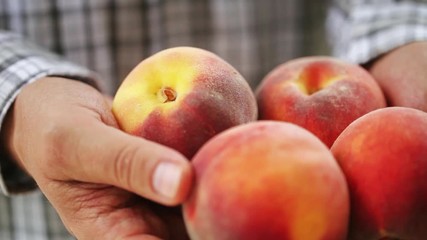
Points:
(21, 63)
(361, 32)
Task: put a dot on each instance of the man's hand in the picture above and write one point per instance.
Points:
(62, 132)
(402, 75)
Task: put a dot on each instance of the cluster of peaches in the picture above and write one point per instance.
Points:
(315, 153)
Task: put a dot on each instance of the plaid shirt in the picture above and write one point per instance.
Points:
(110, 37)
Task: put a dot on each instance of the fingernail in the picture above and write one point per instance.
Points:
(166, 179)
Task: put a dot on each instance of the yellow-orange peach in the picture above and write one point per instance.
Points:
(267, 180)
(181, 97)
(383, 155)
(321, 94)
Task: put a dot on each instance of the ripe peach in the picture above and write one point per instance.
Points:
(384, 158)
(181, 97)
(267, 180)
(321, 94)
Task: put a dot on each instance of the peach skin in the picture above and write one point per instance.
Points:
(267, 180)
(384, 158)
(181, 97)
(321, 94)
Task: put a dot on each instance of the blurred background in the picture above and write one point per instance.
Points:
(111, 37)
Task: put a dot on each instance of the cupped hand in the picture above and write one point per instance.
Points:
(102, 181)
(402, 75)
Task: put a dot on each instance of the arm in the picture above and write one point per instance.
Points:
(22, 63)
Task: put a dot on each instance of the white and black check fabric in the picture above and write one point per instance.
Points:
(102, 40)
(363, 30)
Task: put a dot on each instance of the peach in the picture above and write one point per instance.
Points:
(321, 94)
(384, 158)
(181, 97)
(267, 180)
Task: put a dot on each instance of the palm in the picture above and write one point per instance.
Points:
(113, 213)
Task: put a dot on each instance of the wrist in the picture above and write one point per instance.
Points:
(13, 178)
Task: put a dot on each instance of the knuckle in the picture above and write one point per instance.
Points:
(125, 165)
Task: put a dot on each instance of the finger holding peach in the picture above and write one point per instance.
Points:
(181, 97)
(321, 94)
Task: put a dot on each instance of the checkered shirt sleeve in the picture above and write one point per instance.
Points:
(363, 30)
(22, 63)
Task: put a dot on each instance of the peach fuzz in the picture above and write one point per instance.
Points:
(181, 97)
(322, 94)
(267, 180)
(384, 158)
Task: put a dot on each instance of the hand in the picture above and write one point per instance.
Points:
(402, 75)
(62, 132)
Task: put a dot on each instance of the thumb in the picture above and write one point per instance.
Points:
(104, 154)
